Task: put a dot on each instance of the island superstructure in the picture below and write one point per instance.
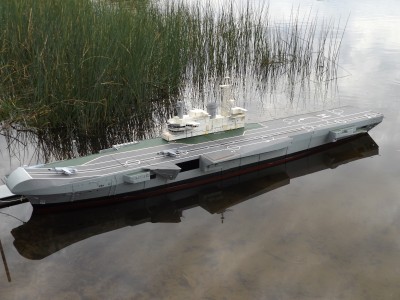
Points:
(201, 122)
(195, 149)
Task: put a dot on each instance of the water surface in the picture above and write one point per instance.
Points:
(330, 234)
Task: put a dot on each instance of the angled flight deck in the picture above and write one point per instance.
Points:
(159, 163)
(268, 133)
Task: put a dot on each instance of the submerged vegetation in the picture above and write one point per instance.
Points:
(106, 72)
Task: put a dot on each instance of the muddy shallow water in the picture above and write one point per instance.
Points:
(327, 227)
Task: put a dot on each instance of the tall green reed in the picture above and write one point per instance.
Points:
(105, 72)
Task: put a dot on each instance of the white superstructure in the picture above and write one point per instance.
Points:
(201, 122)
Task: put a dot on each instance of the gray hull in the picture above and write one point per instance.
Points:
(143, 167)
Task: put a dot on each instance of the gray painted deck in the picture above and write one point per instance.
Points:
(269, 132)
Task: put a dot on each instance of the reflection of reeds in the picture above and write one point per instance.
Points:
(104, 73)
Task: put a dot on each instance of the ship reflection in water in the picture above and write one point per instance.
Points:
(45, 234)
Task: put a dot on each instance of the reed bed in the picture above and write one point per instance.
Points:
(106, 72)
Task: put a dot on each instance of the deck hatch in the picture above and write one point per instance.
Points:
(189, 165)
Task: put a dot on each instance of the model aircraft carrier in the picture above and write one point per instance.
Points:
(195, 149)
(45, 233)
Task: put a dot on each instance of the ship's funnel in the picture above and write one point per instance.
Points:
(212, 109)
(179, 109)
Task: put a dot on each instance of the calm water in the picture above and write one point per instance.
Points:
(317, 229)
